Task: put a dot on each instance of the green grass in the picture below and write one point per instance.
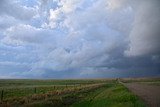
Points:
(78, 93)
(32, 82)
(129, 80)
(24, 91)
(115, 95)
(156, 83)
(24, 87)
(58, 98)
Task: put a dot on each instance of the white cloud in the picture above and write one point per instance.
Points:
(13, 8)
(7, 21)
(55, 16)
(27, 34)
(21, 34)
(115, 5)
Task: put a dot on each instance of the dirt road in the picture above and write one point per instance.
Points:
(149, 93)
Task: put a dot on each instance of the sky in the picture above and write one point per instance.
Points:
(79, 38)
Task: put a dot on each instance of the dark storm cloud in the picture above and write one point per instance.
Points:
(145, 34)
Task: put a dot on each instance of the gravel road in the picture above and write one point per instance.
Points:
(149, 93)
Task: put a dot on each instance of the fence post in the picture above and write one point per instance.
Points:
(66, 85)
(35, 90)
(2, 92)
(74, 87)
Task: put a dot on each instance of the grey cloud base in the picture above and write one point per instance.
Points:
(79, 39)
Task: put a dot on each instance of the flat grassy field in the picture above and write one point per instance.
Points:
(141, 80)
(67, 93)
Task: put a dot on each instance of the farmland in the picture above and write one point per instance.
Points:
(68, 93)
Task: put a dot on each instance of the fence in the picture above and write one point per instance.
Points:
(17, 92)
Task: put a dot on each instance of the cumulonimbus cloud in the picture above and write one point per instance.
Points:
(79, 36)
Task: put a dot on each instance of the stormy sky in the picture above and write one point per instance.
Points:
(79, 38)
